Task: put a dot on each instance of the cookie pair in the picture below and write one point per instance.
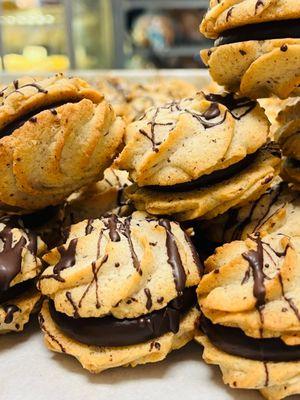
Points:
(257, 51)
(57, 135)
(198, 157)
(120, 291)
(20, 264)
(250, 298)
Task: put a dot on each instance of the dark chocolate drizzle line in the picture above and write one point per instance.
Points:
(261, 31)
(267, 374)
(10, 258)
(290, 301)
(43, 328)
(10, 309)
(258, 4)
(233, 104)
(174, 258)
(67, 260)
(234, 341)
(111, 224)
(126, 231)
(73, 304)
(149, 299)
(255, 259)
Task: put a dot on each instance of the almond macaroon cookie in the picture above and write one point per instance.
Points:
(250, 304)
(56, 135)
(20, 264)
(120, 292)
(199, 157)
(257, 51)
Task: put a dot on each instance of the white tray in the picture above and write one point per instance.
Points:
(28, 371)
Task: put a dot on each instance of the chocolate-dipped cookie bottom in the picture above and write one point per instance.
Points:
(262, 31)
(234, 341)
(112, 332)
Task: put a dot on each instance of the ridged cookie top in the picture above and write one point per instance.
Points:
(288, 132)
(253, 284)
(257, 216)
(228, 14)
(29, 95)
(186, 139)
(58, 150)
(20, 250)
(121, 266)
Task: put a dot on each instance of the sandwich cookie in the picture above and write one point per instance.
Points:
(20, 264)
(257, 51)
(199, 157)
(250, 301)
(121, 292)
(56, 136)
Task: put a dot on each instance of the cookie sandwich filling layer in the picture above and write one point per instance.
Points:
(261, 31)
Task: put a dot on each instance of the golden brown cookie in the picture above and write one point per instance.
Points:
(123, 287)
(53, 135)
(20, 264)
(250, 301)
(256, 68)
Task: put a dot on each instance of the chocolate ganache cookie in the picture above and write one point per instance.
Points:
(121, 291)
(57, 135)
(250, 299)
(20, 264)
(199, 157)
(288, 137)
(257, 51)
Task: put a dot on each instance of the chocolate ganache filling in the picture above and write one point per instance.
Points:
(30, 116)
(234, 341)
(262, 31)
(16, 290)
(109, 331)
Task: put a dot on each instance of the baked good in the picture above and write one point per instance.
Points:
(53, 135)
(121, 291)
(198, 157)
(257, 51)
(238, 223)
(100, 198)
(250, 300)
(288, 137)
(20, 264)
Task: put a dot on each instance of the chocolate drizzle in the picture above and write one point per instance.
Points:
(149, 299)
(255, 259)
(109, 331)
(289, 300)
(89, 227)
(53, 338)
(10, 258)
(111, 224)
(10, 309)
(233, 104)
(174, 258)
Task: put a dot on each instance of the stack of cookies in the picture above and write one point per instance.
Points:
(107, 209)
(249, 296)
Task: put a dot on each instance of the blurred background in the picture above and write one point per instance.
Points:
(53, 35)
